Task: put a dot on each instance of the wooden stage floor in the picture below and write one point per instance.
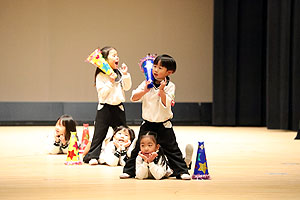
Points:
(243, 162)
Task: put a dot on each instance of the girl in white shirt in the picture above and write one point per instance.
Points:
(119, 148)
(151, 161)
(110, 112)
(64, 126)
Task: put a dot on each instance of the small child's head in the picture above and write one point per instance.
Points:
(148, 143)
(64, 126)
(163, 66)
(123, 134)
(110, 54)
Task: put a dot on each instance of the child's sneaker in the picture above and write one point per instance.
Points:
(124, 175)
(188, 155)
(93, 162)
(185, 177)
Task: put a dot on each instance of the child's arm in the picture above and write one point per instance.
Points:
(58, 148)
(158, 171)
(140, 91)
(108, 155)
(64, 144)
(126, 77)
(167, 94)
(162, 93)
(141, 168)
(121, 151)
(103, 86)
(65, 148)
(55, 148)
(131, 147)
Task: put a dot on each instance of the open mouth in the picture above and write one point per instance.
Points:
(146, 154)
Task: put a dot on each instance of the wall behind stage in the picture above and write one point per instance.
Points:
(44, 44)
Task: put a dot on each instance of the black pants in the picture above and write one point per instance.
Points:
(108, 116)
(167, 140)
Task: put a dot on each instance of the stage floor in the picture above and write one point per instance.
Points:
(243, 162)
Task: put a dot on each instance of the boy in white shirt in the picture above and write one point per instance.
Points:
(157, 113)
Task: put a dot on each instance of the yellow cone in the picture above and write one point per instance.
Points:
(73, 151)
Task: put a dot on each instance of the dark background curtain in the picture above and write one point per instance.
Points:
(256, 63)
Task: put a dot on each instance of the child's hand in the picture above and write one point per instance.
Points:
(152, 156)
(137, 96)
(116, 143)
(127, 144)
(56, 138)
(146, 89)
(145, 158)
(120, 145)
(124, 69)
(62, 139)
(163, 84)
(112, 77)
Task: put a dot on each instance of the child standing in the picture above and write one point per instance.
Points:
(119, 148)
(110, 111)
(65, 124)
(151, 161)
(157, 113)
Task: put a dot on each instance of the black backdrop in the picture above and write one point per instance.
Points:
(256, 64)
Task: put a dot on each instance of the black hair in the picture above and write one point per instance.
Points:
(153, 136)
(69, 123)
(166, 61)
(130, 131)
(104, 51)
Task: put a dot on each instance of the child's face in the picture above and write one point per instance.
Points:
(122, 136)
(59, 128)
(113, 59)
(160, 72)
(147, 146)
